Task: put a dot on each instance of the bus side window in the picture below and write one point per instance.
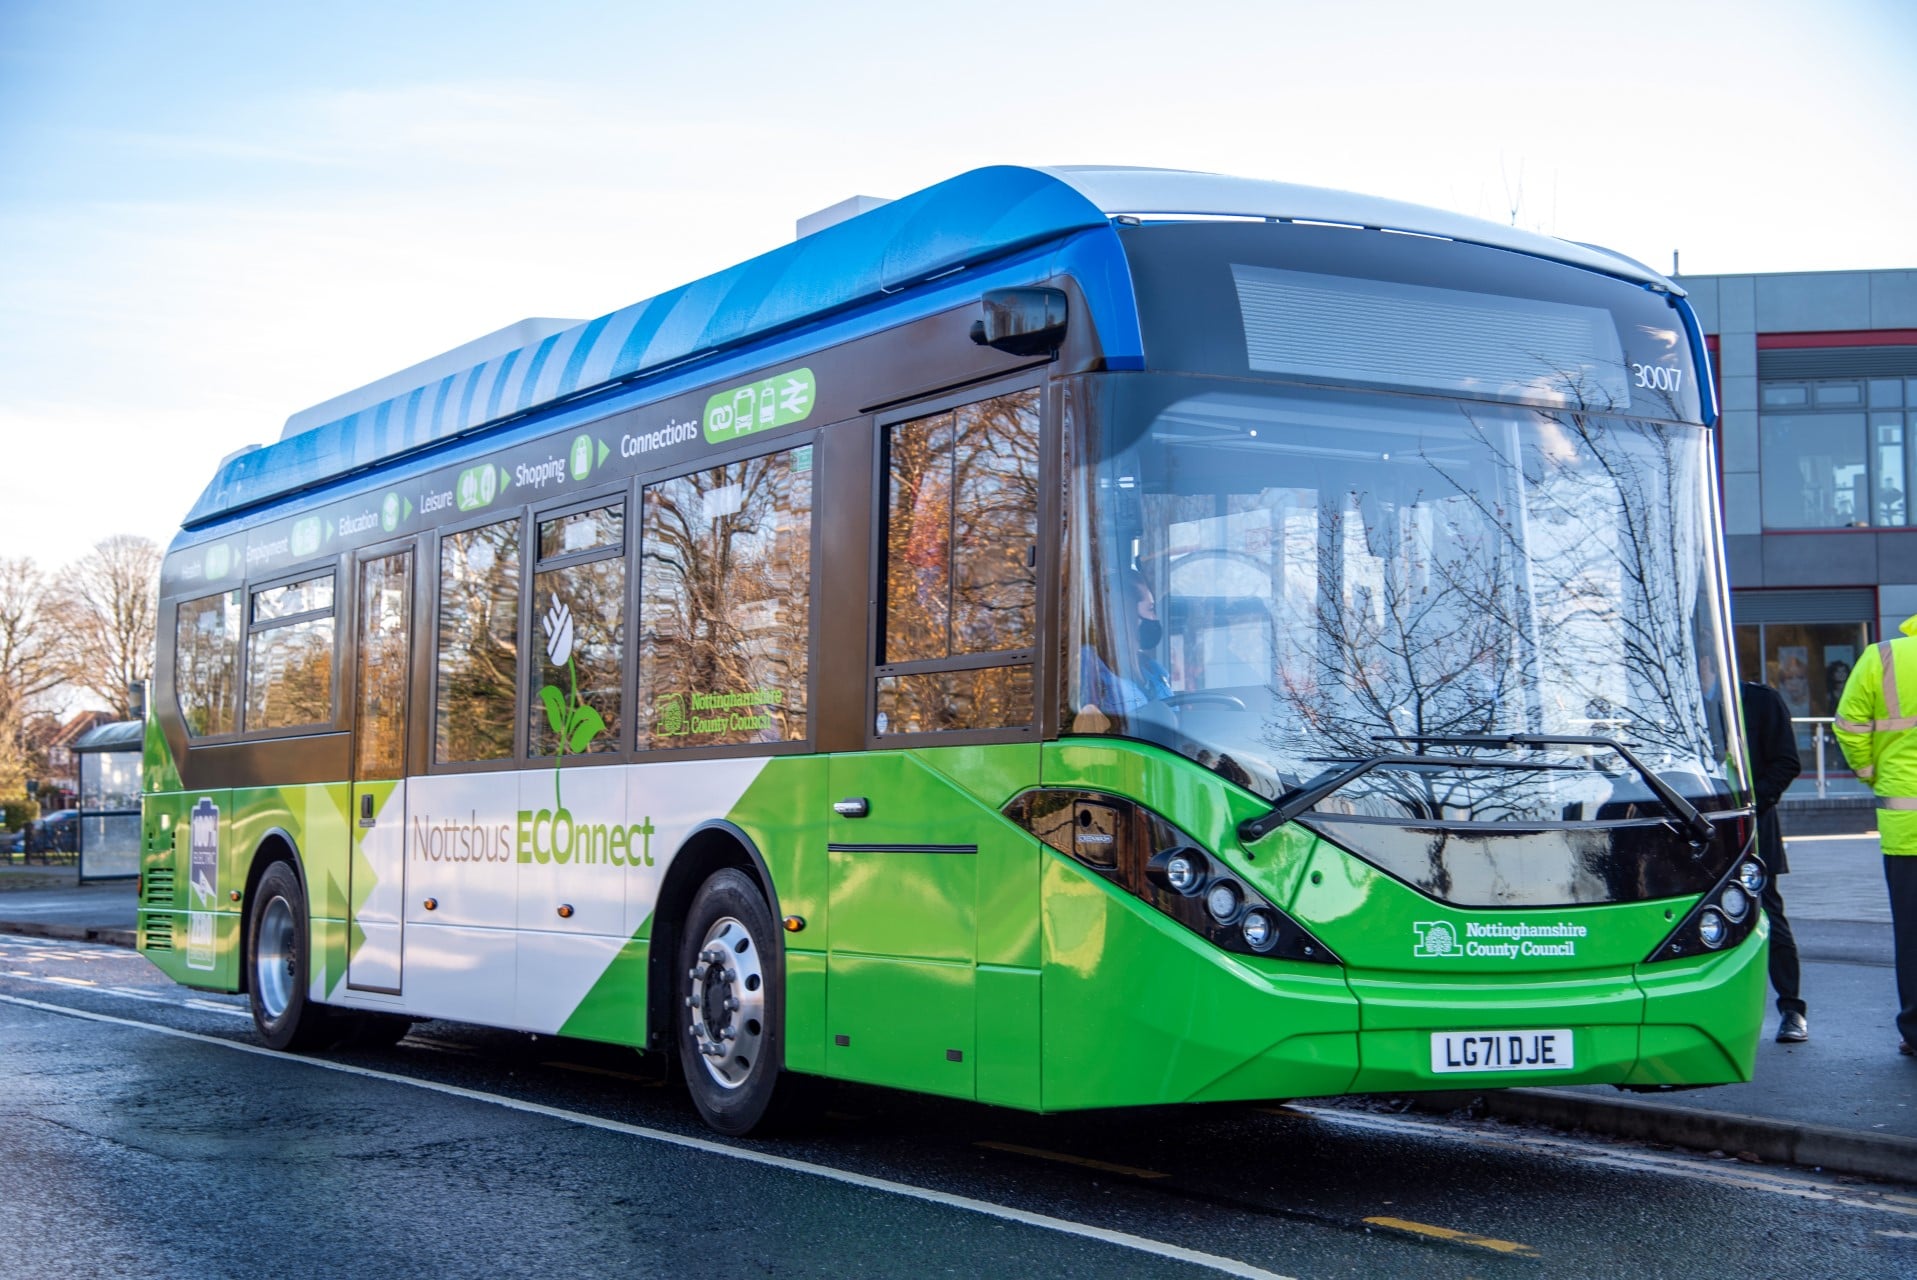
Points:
(961, 582)
(289, 655)
(478, 656)
(726, 608)
(579, 636)
(206, 664)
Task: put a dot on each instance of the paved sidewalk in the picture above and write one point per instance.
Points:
(52, 903)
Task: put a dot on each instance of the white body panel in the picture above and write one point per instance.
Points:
(493, 948)
(378, 876)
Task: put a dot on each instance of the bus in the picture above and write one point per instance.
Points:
(1066, 638)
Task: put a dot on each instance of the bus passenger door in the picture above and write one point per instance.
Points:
(376, 889)
(900, 987)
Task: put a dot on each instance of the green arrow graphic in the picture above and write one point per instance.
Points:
(603, 452)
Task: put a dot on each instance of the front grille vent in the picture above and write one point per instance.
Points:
(159, 887)
(159, 933)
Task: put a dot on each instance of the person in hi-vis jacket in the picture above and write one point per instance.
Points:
(1877, 729)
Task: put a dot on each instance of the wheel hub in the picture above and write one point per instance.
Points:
(275, 958)
(725, 1002)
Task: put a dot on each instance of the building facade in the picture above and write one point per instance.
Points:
(1817, 379)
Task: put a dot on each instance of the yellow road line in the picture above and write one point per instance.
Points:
(602, 1071)
(1101, 1165)
(1446, 1234)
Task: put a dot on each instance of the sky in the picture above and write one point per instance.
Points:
(214, 215)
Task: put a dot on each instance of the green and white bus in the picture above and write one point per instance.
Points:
(1066, 638)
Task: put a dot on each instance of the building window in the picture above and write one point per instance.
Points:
(1806, 662)
(726, 604)
(1834, 453)
(961, 584)
(289, 655)
(478, 643)
(579, 602)
(206, 664)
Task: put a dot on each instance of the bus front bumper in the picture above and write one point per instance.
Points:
(1688, 1022)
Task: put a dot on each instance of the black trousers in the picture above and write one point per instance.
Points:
(1784, 974)
(1900, 873)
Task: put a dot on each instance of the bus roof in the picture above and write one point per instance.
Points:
(973, 218)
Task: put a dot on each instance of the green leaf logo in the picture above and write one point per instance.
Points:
(574, 723)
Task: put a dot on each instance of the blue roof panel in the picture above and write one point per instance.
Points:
(970, 218)
(973, 218)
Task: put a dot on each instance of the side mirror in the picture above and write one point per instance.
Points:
(1021, 322)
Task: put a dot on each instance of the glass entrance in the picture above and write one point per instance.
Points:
(382, 694)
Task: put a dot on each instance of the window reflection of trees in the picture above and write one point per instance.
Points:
(726, 610)
(289, 675)
(1513, 572)
(961, 532)
(383, 654)
(1557, 590)
(478, 643)
(594, 593)
(206, 664)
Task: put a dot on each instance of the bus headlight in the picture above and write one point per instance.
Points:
(1223, 901)
(1142, 854)
(1184, 870)
(1258, 929)
(1722, 919)
(1711, 928)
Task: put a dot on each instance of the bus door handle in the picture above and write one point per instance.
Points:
(366, 809)
(851, 807)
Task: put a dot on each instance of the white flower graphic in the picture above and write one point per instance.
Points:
(558, 627)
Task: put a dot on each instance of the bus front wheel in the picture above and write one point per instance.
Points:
(729, 981)
(278, 940)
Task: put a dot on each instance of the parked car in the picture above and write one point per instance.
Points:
(58, 832)
(12, 842)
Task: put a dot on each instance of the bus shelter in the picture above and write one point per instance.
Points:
(109, 756)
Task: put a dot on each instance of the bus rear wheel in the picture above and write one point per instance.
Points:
(278, 940)
(730, 980)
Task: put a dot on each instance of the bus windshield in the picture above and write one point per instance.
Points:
(1278, 582)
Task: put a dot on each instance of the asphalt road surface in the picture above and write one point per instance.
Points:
(142, 1130)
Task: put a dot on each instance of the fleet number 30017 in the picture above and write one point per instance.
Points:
(1655, 377)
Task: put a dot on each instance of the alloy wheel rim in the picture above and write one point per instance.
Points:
(725, 1002)
(275, 966)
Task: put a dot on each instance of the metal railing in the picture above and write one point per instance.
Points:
(1820, 731)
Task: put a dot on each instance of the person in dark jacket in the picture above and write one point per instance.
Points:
(1774, 763)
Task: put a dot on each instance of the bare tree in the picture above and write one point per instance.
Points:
(30, 663)
(107, 608)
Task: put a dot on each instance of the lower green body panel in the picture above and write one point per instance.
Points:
(1701, 1020)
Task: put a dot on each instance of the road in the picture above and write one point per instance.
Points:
(142, 1130)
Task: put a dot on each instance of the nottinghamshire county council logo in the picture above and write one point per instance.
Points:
(1435, 938)
(671, 720)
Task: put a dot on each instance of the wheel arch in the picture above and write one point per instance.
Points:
(709, 847)
(276, 845)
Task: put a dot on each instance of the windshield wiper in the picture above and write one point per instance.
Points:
(1303, 797)
(1699, 826)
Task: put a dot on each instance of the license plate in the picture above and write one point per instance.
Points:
(1456, 1051)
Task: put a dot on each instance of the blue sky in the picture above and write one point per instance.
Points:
(214, 215)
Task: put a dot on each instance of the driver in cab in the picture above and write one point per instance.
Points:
(1145, 679)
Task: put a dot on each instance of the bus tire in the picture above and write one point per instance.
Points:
(278, 965)
(728, 984)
